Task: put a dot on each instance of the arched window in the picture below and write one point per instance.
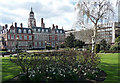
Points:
(24, 30)
(19, 30)
(29, 31)
(38, 30)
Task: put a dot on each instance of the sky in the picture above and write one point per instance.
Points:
(58, 12)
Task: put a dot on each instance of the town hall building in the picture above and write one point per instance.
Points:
(32, 37)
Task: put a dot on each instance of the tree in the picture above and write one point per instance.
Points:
(103, 44)
(95, 12)
(97, 48)
(78, 43)
(116, 46)
(117, 39)
(69, 41)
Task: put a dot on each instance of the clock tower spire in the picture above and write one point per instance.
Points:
(31, 19)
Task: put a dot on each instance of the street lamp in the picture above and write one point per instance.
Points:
(45, 43)
(17, 43)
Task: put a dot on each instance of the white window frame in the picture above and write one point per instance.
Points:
(29, 31)
(38, 30)
(25, 31)
(19, 30)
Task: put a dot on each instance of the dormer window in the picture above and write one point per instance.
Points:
(42, 30)
(12, 31)
(57, 31)
(61, 31)
(29, 31)
(34, 30)
(46, 30)
(24, 30)
(19, 30)
(38, 30)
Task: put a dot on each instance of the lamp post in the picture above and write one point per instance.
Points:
(17, 44)
(45, 44)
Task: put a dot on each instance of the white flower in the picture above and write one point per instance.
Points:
(53, 72)
(48, 77)
(74, 70)
(29, 75)
(33, 71)
(82, 70)
(63, 75)
(33, 75)
(84, 73)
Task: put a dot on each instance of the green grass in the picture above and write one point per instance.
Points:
(9, 69)
(109, 63)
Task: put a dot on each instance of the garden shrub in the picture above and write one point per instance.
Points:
(57, 66)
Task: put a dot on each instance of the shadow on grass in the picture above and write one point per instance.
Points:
(112, 72)
(9, 69)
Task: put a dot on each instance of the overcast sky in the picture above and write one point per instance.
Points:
(58, 12)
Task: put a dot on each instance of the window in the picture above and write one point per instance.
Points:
(38, 30)
(57, 31)
(20, 37)
(8, 36)
(11, 30)
(29, 31)
(39, 43)
(35, 43)
(24, 30)
(19, 30)
(12, 36)
(42, 30)
(30, 37)
(34, 30)
(25, 37)
(46, 30)
(61, 31)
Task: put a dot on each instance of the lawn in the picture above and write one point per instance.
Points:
(109, 63)
(9, 69)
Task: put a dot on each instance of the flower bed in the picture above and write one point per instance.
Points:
(58, 66)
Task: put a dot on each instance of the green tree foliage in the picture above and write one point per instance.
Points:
(103, 44)
(116, 46)
(117, 39)
(78, 43)
(97, 48)
(69, 41)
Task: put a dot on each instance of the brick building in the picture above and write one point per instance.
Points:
(32, 36)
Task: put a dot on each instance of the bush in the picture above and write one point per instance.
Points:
(115, 47)
(102, 51)
(49, 47)
(57, 66)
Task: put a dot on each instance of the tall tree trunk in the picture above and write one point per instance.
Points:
(94, 39)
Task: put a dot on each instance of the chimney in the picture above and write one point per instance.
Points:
(15, 24)
(56, 26)
(6, 26)
(21, 25)
(62, 27)
(3, 27)
(53, 26)
(42, 25)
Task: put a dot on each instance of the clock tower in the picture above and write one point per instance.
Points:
(31, 20)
